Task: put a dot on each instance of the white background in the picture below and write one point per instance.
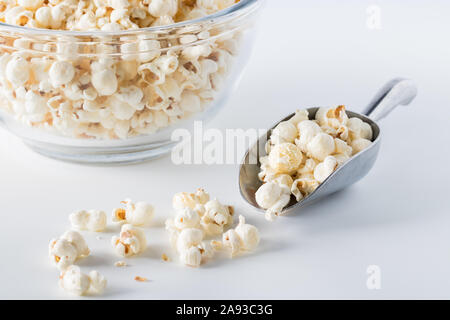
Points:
(307, 53)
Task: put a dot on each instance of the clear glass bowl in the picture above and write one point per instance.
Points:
(116, 97)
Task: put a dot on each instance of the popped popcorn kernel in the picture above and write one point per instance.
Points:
(65, 250)
(92, 220)
(77, 283)
(137, 214)
(131, 241)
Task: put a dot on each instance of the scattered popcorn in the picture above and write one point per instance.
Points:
(244, 237)
(137, 214)
(75, 282)
(140, 279)
(298, 161)
(92, 220)
(115, 87)
(69, 247)
(190, 200)
(197, 217)
(216, 216)
(131, 241)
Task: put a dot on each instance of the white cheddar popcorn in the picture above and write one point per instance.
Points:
(137, 214)
(323, 144)
(131, 241)
(75, 282)
(92, 220)
(65, 250)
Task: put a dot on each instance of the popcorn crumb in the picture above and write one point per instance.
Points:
(120, 264)
(165, 257)
(140, 279)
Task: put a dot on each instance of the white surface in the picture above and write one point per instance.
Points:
(306, 55)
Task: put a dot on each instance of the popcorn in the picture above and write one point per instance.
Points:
(114, 88)
(360, 144)
(332, 117)
(197, 217)
(61, 73)
(131, 241)
(17, 71)
(325, 168)
(273, 198)
(299, 116)
(187, 218)
(189, 200)
(215, 217)
(284, 132)
(65, 250)
(321, 146)
(188, 238)
(92, 220)
(244, 237)
(105, 82)
(307, 130)
(285, 158)
(97, 282)
(191, 257)
(75, 282)
(160, 8)
(136, 214)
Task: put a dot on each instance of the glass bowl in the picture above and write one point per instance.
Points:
(116, 97)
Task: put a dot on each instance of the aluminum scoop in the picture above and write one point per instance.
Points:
(394, 93)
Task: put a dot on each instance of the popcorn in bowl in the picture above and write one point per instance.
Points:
(117, 69)
(303, 153)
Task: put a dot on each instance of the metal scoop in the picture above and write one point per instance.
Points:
(394, 93)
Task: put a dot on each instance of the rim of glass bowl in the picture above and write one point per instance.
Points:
(212, 18)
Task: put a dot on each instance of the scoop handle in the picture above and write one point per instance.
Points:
(396, 92)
